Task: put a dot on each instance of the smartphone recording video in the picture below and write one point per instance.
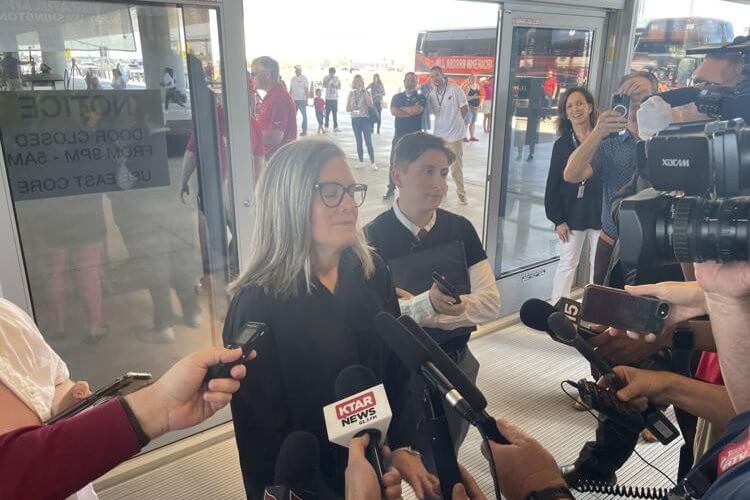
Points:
(617, 308)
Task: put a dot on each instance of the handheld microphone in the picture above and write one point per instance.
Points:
(535, 312)
(296, 472)
(565, 332)
(362, 407)
(421, 354)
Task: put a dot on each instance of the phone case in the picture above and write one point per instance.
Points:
(617, 308)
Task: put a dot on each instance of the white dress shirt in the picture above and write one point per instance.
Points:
(482, 304)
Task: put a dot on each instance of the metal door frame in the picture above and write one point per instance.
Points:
(540, 16)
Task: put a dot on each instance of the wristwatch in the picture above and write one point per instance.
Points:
(553, 493)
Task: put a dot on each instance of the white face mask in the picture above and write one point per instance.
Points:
(653, 116)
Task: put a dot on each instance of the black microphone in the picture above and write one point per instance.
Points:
(296, 474)
(353, 380)
(535, 313)
(421, 354)
(565, 332)
(679, 97)
(414, 355)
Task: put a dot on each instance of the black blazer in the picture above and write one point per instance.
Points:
(561, 202)
(311, 338)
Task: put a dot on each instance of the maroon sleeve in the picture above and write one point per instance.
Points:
(281, 110)
(54, 461)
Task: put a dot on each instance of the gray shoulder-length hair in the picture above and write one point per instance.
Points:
(282, 232)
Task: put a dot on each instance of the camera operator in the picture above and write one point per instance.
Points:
(610, 150)
(723, 69)
(720, 69)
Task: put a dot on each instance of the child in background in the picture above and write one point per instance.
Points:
(320, 110)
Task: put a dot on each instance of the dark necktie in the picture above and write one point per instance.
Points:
(421, 234)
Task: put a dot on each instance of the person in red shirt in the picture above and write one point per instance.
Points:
(320, 110)
(276, 121)
(550, 86)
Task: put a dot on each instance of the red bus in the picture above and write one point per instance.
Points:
(460, 52)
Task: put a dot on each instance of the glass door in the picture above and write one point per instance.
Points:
(543, 53)
(114, 153)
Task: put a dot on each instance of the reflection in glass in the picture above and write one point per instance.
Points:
(127, 257)
(545, 61)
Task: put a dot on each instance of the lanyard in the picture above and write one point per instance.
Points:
(582, 185)
(440, 97)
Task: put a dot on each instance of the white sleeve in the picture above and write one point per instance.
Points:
(419, 308)
(482, 304)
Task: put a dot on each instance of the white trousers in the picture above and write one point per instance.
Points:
(570, 255)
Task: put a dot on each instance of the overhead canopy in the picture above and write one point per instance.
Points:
(57, 25)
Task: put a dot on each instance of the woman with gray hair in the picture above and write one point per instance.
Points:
(314, 282)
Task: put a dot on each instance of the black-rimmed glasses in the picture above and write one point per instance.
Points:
(332, 193)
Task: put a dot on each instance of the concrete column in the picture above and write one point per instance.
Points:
(52, 42)
(155, 29)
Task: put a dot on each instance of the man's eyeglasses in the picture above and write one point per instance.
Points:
(332, 193)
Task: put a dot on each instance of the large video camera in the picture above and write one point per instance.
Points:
(708, 164)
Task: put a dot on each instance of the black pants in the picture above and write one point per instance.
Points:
(332, 106)
(379, 107)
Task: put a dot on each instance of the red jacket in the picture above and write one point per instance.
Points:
(54, 461)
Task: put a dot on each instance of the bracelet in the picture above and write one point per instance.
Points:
(141, 436)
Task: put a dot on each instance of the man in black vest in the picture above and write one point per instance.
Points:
(421, 163)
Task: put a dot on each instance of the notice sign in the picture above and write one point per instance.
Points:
(68, 143)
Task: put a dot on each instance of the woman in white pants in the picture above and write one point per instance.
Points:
(574, 208)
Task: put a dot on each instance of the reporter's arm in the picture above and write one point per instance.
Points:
(710, 401)
(730, 318)
(698, 398)
(579, 166)
(727, 288)
(55, 461)
(523, 466)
